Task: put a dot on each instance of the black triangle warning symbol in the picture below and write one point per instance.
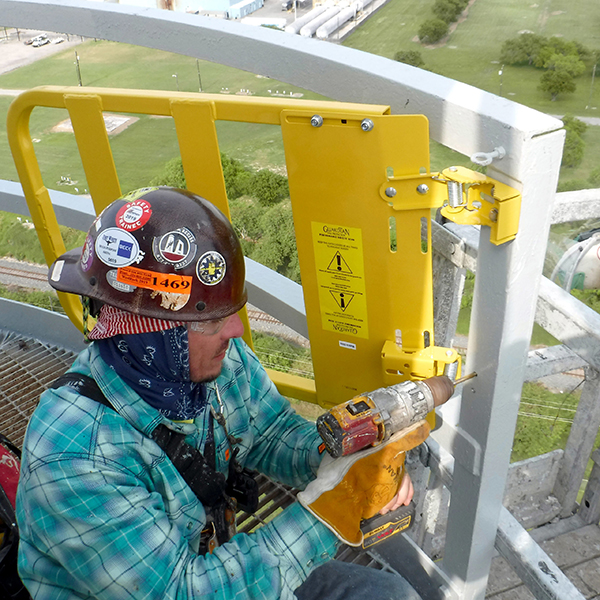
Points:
(342, 299)
(338, 264)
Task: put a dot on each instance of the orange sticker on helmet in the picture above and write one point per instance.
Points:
(152, 280)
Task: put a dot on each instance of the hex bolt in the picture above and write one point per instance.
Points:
(390, 192)
(367, 125)
(316, 120)
(494, 215)
(423, 188)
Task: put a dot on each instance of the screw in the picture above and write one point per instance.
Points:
(316, 120)
(422, 188)
(390, 192)
(494, 215)
(452, 169)
(367, 125)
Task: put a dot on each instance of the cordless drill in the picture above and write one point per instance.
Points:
(372, 418)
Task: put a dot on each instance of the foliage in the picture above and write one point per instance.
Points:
(277, 247)
(410, 57)
(19, 240)
(269, 188)
(172, 175)
(594, 178)
(47, 300)
(574, 144)
(448, 10)
(569, 64)
(432, 30)
(542, 423)
(574, 124)
(557, 82)
(275, 353)
(237, 177)
(522, 49)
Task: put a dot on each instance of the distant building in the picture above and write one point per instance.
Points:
(227, 9)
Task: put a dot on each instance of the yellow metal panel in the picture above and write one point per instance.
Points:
(359, 292)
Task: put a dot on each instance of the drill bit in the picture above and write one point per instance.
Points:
(465, 378)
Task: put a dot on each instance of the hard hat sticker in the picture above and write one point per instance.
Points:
(211, 268)
(177, 248)
(152, 280)
(57, 270)
(134, 215)
(87, 254)
(116, 247)
(111, 277)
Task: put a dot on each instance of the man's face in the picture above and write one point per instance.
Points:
(207, 350)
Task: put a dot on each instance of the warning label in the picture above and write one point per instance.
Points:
(341, 278)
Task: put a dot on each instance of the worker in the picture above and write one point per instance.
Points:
(134, 461)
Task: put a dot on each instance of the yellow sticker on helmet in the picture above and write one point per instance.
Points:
(152, 280)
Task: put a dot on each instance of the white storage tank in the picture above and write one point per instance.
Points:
(336, 22)
(310, 28)
(297, 25)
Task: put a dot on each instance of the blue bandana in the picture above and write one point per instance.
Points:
(156, 365)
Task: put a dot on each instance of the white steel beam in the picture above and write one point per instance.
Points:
(505, 296)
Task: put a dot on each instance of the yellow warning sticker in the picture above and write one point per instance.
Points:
(341, 279)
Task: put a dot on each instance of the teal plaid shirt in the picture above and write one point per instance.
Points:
(104, 514)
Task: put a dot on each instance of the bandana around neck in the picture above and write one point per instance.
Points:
(156, 366)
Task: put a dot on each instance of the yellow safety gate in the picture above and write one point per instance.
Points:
(361, 192)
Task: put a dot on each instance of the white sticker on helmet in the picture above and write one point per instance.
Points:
(116, 247)
(211, 268)
(177, 248)
(57, 270)
(111, 277)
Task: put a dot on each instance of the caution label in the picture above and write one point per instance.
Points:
(341, 279)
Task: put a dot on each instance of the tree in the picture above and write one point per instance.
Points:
(573, 150)
(572, 123)
(432, 31)
(522, 49)
(269, 188)
(277, 247)
(172, 175)
(447, 10)
(557, 82)
(410, 57)
(569, 63)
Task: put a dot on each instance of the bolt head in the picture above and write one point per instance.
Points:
(422, 188)
(390, 192)
(494, 215)
(367, 125)
(452, 169)
(316, 120)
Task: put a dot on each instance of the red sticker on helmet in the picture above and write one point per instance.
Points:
(152, 280)
(134, 215)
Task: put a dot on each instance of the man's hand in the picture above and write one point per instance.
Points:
(403, 497)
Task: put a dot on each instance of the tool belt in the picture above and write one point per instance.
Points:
(220, 496)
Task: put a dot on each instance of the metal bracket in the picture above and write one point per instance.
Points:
(400, 364)
(467, 197)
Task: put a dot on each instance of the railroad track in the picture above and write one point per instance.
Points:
(23, 274)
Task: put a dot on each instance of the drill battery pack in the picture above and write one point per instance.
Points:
(382, 527)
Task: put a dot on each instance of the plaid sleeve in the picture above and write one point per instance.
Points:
(103, 514)
(284, 445)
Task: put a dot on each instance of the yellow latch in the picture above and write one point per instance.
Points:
(467, 197)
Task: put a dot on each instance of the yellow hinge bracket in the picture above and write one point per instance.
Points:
(467, 197)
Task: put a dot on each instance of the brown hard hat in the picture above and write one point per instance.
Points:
(164, 253)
